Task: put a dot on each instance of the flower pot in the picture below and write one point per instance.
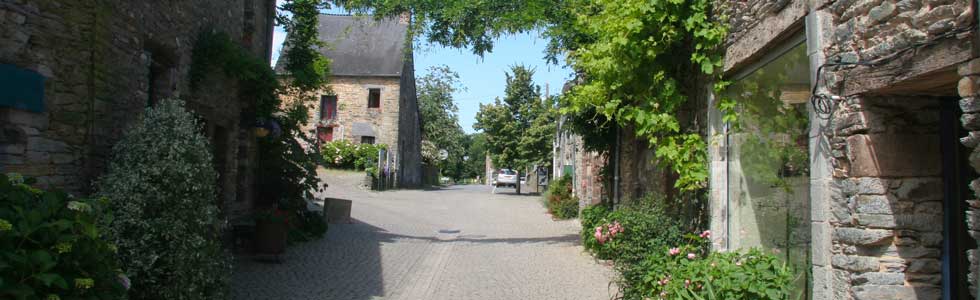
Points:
(270, 237)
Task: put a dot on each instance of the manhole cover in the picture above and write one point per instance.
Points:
(449, 231)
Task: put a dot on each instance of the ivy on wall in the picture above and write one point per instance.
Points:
(636, 73)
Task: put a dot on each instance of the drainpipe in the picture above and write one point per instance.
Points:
(616, 167)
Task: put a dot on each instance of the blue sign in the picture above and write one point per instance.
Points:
(21, 88)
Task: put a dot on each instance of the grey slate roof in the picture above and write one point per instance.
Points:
(360, 45)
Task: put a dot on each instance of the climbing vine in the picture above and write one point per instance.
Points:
(258, 82)
(305, 65)
(637, 72)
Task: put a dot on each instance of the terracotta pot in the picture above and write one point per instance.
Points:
(270, 237)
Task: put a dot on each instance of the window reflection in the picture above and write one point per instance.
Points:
(768, 165)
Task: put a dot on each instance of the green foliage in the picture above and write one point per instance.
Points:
(520, 128)
(307, 225)
(161, 186)
(637, 72)
(692, 271)
(286, 170)
(772, 136)
(343, 154)
(636, 60)
(463, 23)
(559, 199)
(305, 65)
(646, 227)
(476, 152)
(258, 82)
(439, 117)
(50, 242)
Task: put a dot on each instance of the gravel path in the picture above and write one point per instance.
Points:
(460, 242)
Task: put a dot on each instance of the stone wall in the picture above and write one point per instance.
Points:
(352, 107)
(589, 184)
(887, 208)
(98, 58)
(969, 90)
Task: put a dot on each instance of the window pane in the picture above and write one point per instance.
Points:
(328, 107)
(367, 140)
(374, 98)
(768, 165)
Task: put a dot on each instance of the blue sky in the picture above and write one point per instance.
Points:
(483, 78)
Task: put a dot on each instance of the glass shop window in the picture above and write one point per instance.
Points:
(768, 162)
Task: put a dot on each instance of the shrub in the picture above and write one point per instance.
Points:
(644, 227)
(559, 199)
(342, 154)
(51, 248)
(691, 271)
(161, 187)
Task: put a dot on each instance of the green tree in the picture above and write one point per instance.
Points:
(440, 120)
(476, 152)
(638, 60)
(520, 127)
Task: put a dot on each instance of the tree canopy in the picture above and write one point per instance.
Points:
(520, 127)
(634, 60)
(440, 120)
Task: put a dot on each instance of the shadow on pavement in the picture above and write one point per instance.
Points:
(345, 264)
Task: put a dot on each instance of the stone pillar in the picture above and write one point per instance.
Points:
(969, 91)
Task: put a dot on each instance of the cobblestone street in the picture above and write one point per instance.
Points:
(461, 242)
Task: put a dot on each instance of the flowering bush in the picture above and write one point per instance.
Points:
(51, 248)
(627, 234)
(161, 186)
(691, 271)
(342, 154)
(559, 199)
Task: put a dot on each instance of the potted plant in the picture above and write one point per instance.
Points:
(271, 229)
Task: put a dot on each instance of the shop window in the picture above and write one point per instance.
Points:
(768, 162)
(374, 98)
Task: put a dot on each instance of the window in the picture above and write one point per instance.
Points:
(328, 107)
(367, 140)
(768, 162)
(374, 98)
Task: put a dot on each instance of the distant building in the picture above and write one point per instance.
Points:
(370, 96)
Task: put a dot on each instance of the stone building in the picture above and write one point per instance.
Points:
(585, 167)
(83, 71)
(855, 155)
(865, 181)
(370, 95)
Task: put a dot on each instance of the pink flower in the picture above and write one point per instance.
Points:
(706, 234)
(598, 236)
(687, 282)
(675, 251)
(691, 256)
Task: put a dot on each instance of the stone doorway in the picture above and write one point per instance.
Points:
(957, 175)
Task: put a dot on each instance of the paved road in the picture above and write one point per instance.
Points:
(458, 243)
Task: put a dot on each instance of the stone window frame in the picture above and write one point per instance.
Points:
(381, 89)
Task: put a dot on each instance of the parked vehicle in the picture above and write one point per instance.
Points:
(506, 178)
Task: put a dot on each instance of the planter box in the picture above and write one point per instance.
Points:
(337, 211)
